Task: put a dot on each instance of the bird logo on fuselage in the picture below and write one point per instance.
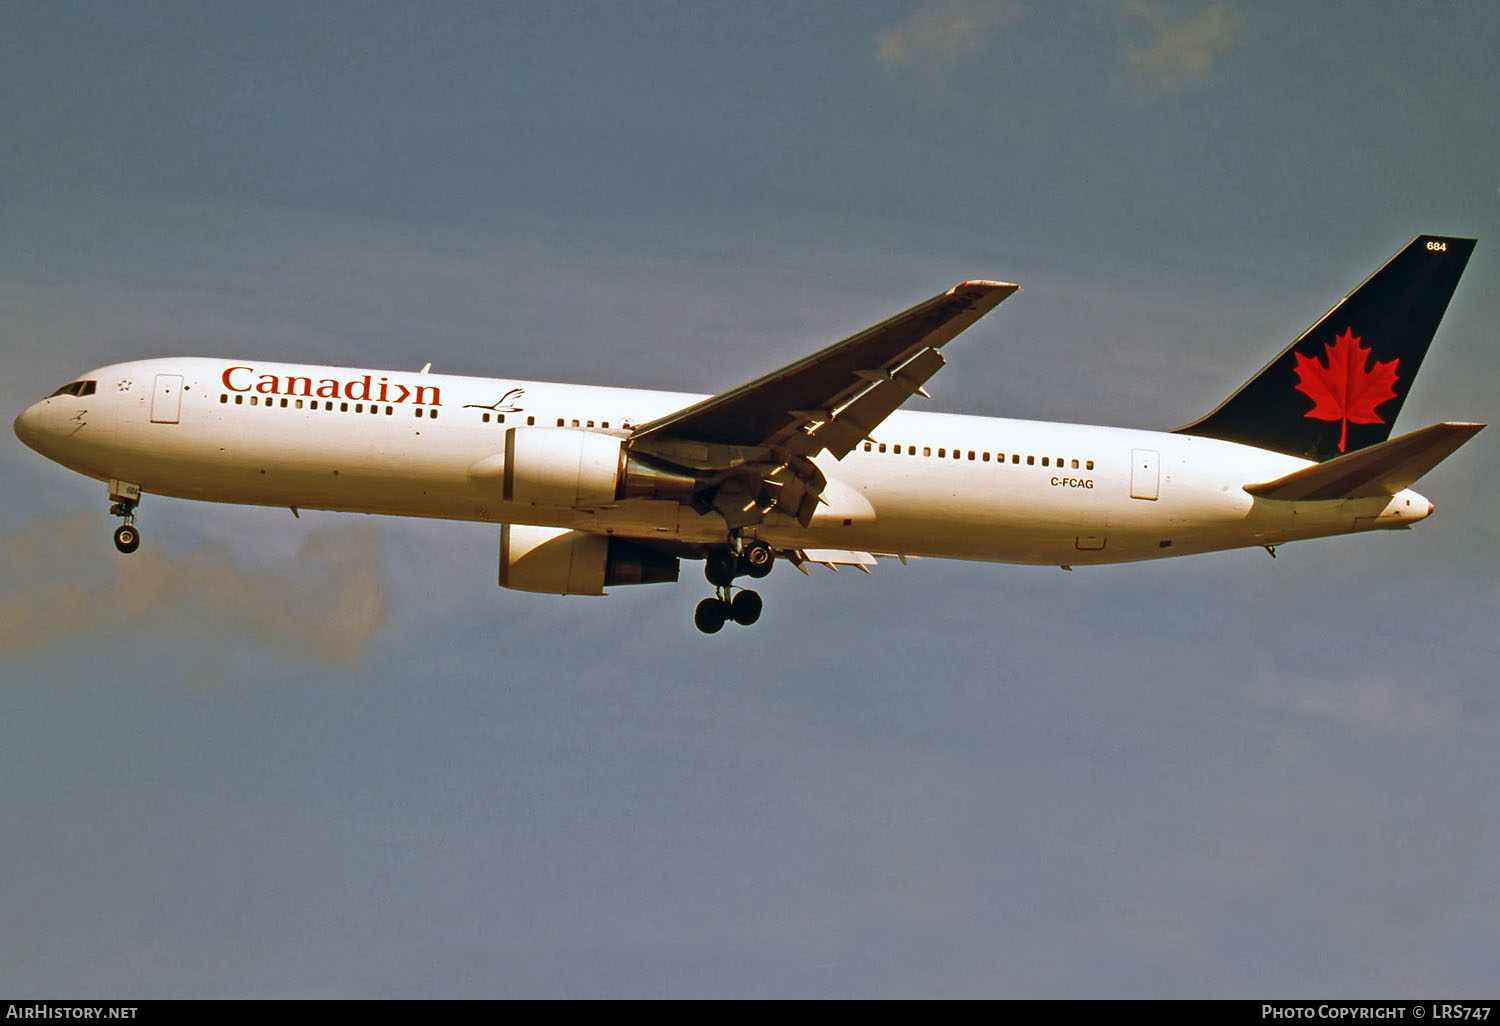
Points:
(505, 404)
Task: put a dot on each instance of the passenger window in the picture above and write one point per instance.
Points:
(530, 421)
(926, 450)
(942, 454)
(882, 447)
(419, 411)
(299, 404)
(255, 400)
(605, 425)
(1075, 464)
(589, 424)
(867, 447)
(1030, 461)
(1089, 465)
(559, 422)
(971, 454)
(343, 407)
(985, 456)
(432, 414)
(1044, 462)
(485, 417)
(224, 398)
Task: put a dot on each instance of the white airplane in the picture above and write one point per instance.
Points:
(813, 463)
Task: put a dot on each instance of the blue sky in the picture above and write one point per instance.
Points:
(328, 757)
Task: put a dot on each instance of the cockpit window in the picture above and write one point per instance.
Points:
(77, 388)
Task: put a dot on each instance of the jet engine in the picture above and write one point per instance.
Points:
(557, 561)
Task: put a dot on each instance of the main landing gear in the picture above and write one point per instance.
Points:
(722, 567)
(127, 538)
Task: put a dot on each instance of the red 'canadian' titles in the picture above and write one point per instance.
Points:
(362, 388)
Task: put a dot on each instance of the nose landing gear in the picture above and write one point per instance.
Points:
(127, 538)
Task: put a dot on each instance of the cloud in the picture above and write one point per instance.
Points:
(1171, 51)
(1369, 704)
(940, 36)
(62, 580)
(1164, 50)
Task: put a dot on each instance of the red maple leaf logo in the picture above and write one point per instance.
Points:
(1347, 388)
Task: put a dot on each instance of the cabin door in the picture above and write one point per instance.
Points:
(166, 401)
(1144, 473)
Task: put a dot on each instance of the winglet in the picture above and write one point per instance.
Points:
(1382, 469)
(986, 286)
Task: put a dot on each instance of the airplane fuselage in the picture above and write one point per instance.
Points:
(430, 445)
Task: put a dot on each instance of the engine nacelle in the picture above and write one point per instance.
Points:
(561, 467)
(574, 468)
(557, 561)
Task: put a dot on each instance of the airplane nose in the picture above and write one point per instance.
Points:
(28, 425)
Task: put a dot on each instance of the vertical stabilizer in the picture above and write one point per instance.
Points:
(1339, 387)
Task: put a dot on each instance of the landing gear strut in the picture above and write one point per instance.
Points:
(127, 538)
(740, 605)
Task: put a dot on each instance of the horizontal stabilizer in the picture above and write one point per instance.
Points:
(1382, 469)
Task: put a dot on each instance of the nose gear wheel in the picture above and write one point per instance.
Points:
(127, 537)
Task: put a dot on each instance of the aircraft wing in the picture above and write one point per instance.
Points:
(834, 398)
(751, 448)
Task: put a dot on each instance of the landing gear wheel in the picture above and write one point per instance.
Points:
(710, 615)
(720, 569)
(745, 609)
(127, 538)
(759, 559)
